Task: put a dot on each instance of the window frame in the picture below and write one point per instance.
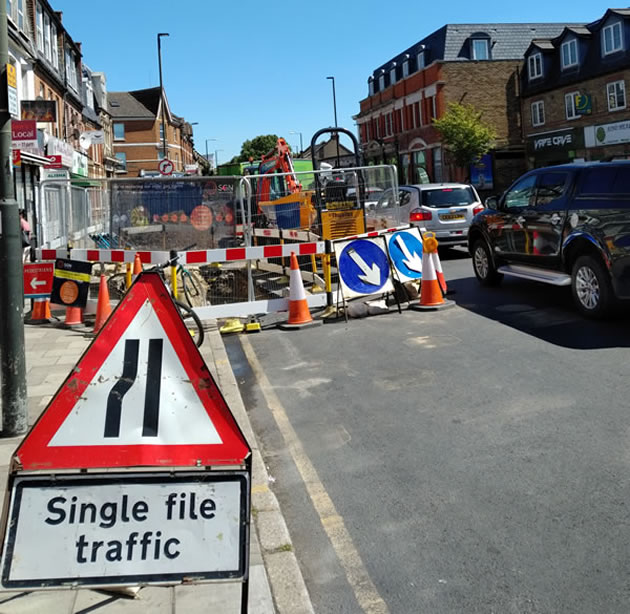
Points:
(381, 83)
(371, 87)
(532, 61)
(611, 28)
(114, 125)
(614, 93)
(532, 196)
(389, 123)
(39, 27)
(571, 96)
(392, 75)
(122, 156)
(405, 69)
(54, 45)
(473, 43)
(420, 61)
(47, 41)
(539, 114)
(568, 45)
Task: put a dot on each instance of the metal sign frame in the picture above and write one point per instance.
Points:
(18, 482)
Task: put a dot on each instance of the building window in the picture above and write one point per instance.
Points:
(611, 38)
(480, 49)
(569, 105)
(119, 132)
(371, 86)
(123, 158)
(538, 113)
(53, 43)
(405, 69)
(616, 92)
(388, 125)
(534, 66)
(71, 69)
(420, 59)
(433, 107)
(569, 54)
(437, 165)
(15, 12)
(47, 46)
(39, 27)
(381, 83)
(161, 132)
(392, 75)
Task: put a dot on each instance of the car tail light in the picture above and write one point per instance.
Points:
(419, 215)
(478, 209)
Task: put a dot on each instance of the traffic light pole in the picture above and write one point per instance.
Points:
(12, 360)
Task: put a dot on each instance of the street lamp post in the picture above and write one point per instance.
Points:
(159, 43)
(216, 157)
(335, 109)
(301, 146)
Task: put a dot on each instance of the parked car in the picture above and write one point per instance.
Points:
(372, 194)
(447, 209)
(566, 225)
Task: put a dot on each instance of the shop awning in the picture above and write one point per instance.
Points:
(31, 158)
(85, 182)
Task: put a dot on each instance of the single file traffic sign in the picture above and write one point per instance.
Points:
(141, 395)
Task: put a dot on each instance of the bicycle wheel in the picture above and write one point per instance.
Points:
(193, 323)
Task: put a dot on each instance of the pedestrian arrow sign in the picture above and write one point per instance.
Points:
(405, 251)
(141, 395)
(363, 266)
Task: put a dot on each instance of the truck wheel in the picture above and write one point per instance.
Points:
(484, 268)
(591, 287)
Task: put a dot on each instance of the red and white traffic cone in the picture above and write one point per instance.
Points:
(103, 306)
(299, 314)
(439, 272)
(41, 312)
(137, 267)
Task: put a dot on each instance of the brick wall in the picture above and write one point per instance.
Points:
(490, 87)
(144, 136)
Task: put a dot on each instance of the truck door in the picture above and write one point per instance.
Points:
(544, 219)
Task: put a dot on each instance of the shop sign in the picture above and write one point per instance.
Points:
(23, 134)
(79, 164)
(557, 140)
(39, 110)
(607, 134)
(65, 150)
(12, 90)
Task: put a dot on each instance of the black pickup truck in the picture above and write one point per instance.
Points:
(566, 225)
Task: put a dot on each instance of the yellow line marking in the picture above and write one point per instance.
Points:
(260, 488)
(365, 591)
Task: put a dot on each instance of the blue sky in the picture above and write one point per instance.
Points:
(246, 68)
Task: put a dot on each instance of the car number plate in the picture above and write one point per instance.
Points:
(452, 216)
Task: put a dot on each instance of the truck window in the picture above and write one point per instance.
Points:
(550, 187)
(605, 181)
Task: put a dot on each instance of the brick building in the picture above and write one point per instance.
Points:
(574, 101)
(477, 64)
(139, 133)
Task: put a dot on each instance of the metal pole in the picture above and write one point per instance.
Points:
(335, 109)
(207, 158)
(12, 359)
(164, 153)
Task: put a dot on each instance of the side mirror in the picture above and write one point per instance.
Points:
(492, 202)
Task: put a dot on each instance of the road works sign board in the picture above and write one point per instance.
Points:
(71, 282)
(140, 396)
(363, 266)
(405, 251)
(125, 528)
(38, 279)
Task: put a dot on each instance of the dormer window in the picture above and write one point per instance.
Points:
(381, 82)
(405, 67)
(611, 38)
(392, 74)
(480, 49)
(569, 54)
(534, 66)
(371, 86)
(420, 59)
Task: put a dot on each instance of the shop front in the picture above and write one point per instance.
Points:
(554, 147)
(608, 140)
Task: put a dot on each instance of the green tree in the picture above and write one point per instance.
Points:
(465, 134)
(256, 147)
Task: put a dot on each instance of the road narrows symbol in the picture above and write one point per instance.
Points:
(121, 387)
(152, 395)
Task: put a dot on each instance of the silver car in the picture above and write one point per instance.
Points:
(447, 209)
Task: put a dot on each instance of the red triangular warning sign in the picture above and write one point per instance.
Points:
(140, 396)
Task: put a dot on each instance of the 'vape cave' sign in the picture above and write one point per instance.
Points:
(119, 527)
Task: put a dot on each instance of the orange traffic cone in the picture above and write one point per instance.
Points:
(299, 314)
(41, 312)
(103, 307)
(74, 317)
(137, 267)
(430, 292)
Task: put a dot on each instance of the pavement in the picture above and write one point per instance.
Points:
(276, 582)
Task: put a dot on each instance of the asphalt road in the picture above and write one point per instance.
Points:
(469, 460)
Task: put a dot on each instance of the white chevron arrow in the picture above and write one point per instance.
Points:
(372, 275)
(412, 262)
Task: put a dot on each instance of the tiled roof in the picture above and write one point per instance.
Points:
(139, 103)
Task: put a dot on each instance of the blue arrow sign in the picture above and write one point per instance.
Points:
(405, 250)
(363, 267)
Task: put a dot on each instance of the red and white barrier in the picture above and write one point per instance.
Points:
(205, 256)
(375, 233)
